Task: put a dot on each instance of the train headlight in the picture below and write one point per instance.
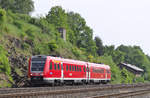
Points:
(31, 74)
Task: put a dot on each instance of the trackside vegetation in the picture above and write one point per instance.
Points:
(22, 36)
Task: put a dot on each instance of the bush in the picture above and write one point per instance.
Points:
(4, 62)
(35, 21)
(30, 32)
(2, 15)
(25, 46)
(43, 24)
(52, 45)
(24, 17)
(76, 52)
(139, 79)
(17, 16)
(22, 35)
(2, 19)
(127, 77)
(18, 24)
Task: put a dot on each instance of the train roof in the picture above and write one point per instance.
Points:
(99, 65)
(68, 60)
(57, 59)
(80, 62)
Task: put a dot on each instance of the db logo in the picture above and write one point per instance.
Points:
(70, 74)
(51, 73)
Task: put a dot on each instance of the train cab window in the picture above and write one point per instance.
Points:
(70, 67)
(51, 66)
(67, 67)
(58, 66)
(55, 66)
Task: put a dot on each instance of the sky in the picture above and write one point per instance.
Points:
(116, 22)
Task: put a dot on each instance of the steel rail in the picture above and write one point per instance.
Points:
(124, 94)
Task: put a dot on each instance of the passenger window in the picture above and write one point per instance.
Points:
(51, 66)
(102, 70)
(77, 68)
(94, 70)
(55, 66)
(107, 71)
(67, 67)
(84, 69)
(70, 67)
(58, 66)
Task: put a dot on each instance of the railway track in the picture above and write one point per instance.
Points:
(136, 93)
(34, 89)
(97, 91)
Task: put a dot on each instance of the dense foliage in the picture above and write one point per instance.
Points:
(17, 6)
(25, 36)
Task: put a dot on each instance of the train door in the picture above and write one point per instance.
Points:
(65, 71)
(106, 74)
(62, 71)
(55, 69)
(87, 73)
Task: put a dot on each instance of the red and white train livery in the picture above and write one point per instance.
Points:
(48, 69)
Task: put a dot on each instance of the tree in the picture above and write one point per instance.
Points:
(108, 50)
(23, 6)
(6, 4)
(118, 56)
(86, 41)
(17, 6)
(77, 24)
(57, 16)
(99, 44)
(134, 55)
(148, 57)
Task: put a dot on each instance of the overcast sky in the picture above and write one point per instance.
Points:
(116, 22)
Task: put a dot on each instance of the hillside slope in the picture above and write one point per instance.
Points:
(22, 36)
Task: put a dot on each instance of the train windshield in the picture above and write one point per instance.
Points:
(37, 64)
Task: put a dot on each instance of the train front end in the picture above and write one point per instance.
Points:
(36, 69)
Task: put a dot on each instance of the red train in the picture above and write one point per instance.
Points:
(48, 69)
